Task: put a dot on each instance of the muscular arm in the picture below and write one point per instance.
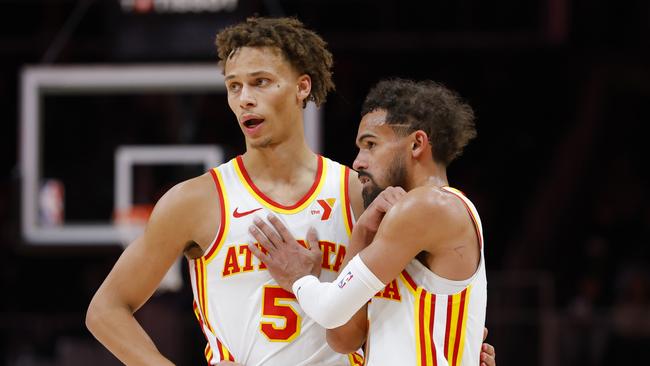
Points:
(410, 227)
(420, 221)
(350, 337)
(142, 266)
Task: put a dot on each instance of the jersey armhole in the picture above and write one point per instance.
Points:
(471, 211)
(224, 221)
(348, 215)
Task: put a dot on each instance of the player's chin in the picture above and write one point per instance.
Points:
(261, 142)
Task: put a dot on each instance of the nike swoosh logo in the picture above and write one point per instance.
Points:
(237, 214)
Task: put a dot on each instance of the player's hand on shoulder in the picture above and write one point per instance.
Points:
(286, 259)
(372, 216)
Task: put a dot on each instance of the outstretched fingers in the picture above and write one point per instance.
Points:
(259, 253)
(312, 238)
(281, 228)
(312, 243)
(262, 240)
(265, 235)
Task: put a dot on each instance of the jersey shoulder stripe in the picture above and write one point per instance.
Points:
(224, 220)
(472, 212)
(345, 194)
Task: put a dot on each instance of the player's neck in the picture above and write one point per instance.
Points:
(283, 162)
(427, 174)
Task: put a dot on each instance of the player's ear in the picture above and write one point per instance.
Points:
(303, 87)
(419, 143)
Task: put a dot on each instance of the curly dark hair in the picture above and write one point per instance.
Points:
(428, 106)
(304, 49)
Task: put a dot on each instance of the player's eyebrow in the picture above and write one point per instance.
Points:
(364, 136)
(251, 74)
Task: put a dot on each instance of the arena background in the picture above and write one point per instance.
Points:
(559, 174)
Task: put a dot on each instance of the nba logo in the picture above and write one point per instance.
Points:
(51, 202)
(346, 279)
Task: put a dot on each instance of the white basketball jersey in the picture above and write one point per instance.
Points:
(423, 319)
(245, 316)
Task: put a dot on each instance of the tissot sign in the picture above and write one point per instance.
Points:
(177, 6)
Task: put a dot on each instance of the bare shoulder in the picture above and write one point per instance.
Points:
(189, 208)
(354, 190)
(189, 194)
(430, 207)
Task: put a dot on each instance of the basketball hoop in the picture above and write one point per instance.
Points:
(130, 222)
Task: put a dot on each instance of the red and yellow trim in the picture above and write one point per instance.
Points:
(456, 325)
(472, 213)
(224, 354)
(355, 359)
(200, 276)
(201, 291)
(208, 353)
(224, 220)
(408, 282)
(200, 311)
(345, 193)
(319, 181)
(425, 311)
(208, 350)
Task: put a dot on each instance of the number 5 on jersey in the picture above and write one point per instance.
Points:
(274, 306)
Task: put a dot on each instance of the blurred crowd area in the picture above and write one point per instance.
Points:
(559, 171)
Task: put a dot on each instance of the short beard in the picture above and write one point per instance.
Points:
(396, 177)
(369, 193)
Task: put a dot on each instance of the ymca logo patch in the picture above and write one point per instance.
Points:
(324, 209)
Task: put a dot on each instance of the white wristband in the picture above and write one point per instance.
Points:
(302, 281)
(332, 304)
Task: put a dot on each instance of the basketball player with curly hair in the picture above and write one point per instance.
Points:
(416, 252)
(272, 68)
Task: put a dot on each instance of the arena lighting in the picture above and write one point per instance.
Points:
(38, 81)
(177, 6)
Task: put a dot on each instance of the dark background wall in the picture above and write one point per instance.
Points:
(559, 171)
